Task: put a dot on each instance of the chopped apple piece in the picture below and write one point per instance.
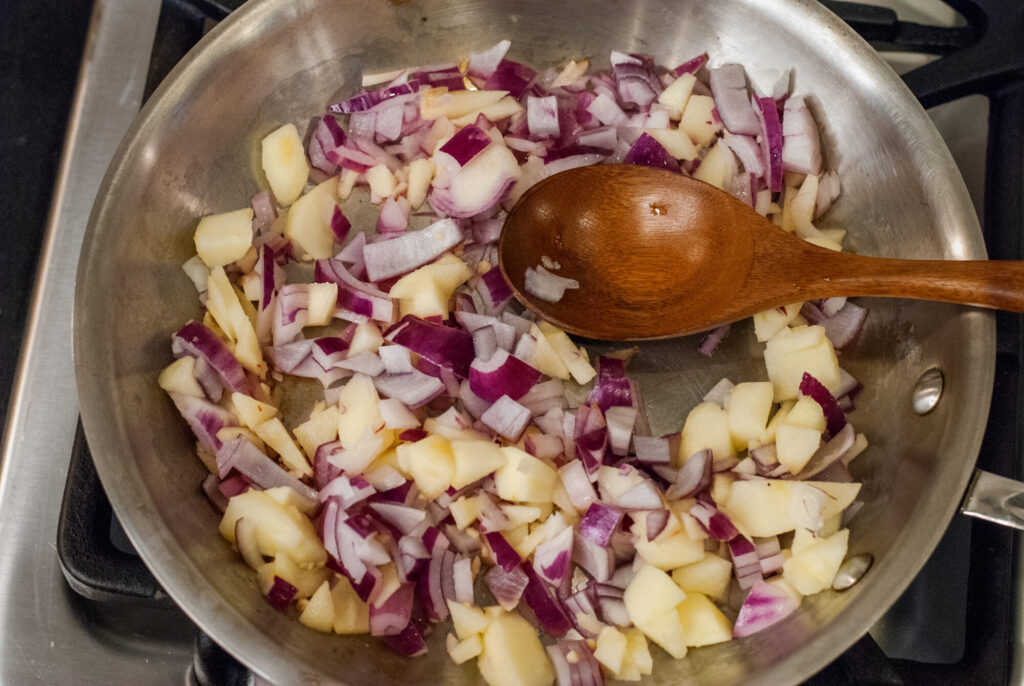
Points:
(513, 655)
(425, 292)
(430, 463)
(697, 120)
(638, 650)
(769, 507)
(718, 166)
(650, 595)
(806, 412)
(667, 632)
(351, 613)
(706, 428)
(421, 173)
(224, 238)
(280, 529)
(273, 433)
(795, 351)
(612, 648)
(308, 223)
(179, 377)
(475, 460)
(360, 412)
(468, 620)
(770, 431)
(320, 428)
(251, 411)
(675, 96)
(464, 511)
(710, 576)
(770, 322)
(323, 300)
(524, 478)
(703, 623)
(305, 580)
(749, 406)
(223, 303)
(795, 445)
(575, 359)
(382, 182)
(671, 548)
(284, 163)
(319, 611)
(676, 142)
(464, 650)
(813, 568)
(366, 339)
(440, 102)
(545, 358)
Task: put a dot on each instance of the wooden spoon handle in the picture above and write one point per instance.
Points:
(993, 284)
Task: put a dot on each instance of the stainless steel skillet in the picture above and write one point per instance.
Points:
(194, 150)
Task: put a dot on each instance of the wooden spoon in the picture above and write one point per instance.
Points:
(658, 255)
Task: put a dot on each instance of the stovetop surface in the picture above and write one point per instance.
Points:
(54, 636)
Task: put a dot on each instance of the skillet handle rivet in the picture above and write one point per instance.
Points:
(927, 391)
(851, 571)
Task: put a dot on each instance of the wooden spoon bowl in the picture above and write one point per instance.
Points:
(659, 254)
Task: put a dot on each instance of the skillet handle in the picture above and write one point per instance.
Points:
(995, 499)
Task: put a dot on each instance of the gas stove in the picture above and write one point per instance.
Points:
(77, 605)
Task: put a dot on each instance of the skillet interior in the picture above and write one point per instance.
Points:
(194, 150)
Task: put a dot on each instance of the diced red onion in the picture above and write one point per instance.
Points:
(693, 476)
(441, 345)
(577, 485)
(801, 147)
(764, 606)
(409, 642)
(713, 339)
(507, 418)
(510, 76)
(834, 415)
(718, 526)
(196, 340)
(483, 64)
(771, 141)
(552, 560)
(392, 616)
(651, 450)
(648, 152)
(549, 287)
(503, 554)
(644, 496)
(357, 300)
(745, 561)
(729, 88)
(655, 523)
(247, 542)
(691, 66)
(281, 594)
(501, 375)
(205, 419)
(545, 605)
(365, 101)
(400, 255)
(467, 143)
(600, 522)
(506, 586)
(575, 664)
(843, 327)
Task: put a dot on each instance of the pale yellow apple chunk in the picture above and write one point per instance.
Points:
(284, 163)
(513, 654)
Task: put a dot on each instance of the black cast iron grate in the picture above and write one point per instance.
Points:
(986, 57)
